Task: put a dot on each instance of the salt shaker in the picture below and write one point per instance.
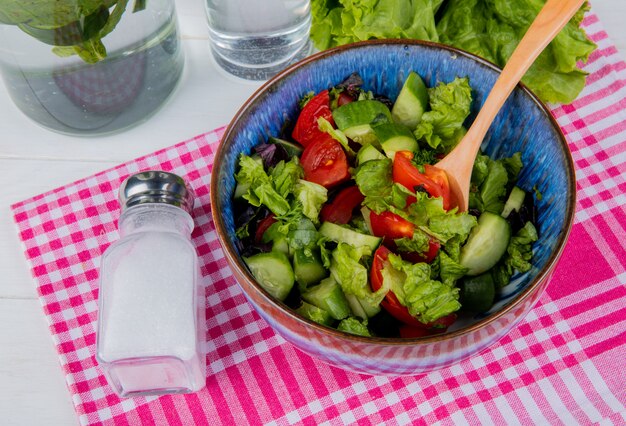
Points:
(151, 315)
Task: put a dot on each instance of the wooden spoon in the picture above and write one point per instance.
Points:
(459, 162)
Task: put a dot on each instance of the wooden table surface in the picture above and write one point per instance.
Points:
(34, 160)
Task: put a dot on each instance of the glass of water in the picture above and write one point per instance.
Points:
(255, 39)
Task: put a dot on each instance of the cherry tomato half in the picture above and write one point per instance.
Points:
(391, 303)
(407, 175)
(391, 226)
(440, 178)
(340, 209)
(324, 162)
(306, 129)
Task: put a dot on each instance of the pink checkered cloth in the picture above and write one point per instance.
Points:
(564, 364)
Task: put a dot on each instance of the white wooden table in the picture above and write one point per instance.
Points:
(34, 160)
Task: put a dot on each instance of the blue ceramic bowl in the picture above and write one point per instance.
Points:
(524, 125)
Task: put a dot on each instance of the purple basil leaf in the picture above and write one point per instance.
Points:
(352, 85)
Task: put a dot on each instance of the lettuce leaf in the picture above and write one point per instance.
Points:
(492, 181)
(352, 276)
(270, 190)
(425, 298)
(312, 196)
(449, 107)
(517, 257)
(337, 22)
(493, 28)
(354, 325)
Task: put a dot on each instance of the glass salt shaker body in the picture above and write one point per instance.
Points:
(151, 318)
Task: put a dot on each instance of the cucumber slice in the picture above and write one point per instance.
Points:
(361, 308)
(486, 244)
(316, 314)
(356, 119)
(367, 153)
(366, 213)
(477, 293)
(308, 268)
(328, 296)
(514, 202)
(395, 137)
(273, 271)
(279, 241)
(293, 150)
(342, 234)
(411, 102)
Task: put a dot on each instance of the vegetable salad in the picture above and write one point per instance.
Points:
(347, 220)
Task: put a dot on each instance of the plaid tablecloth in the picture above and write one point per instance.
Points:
(564, 364)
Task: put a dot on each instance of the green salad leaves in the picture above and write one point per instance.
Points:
(72, 27)
(488, 28)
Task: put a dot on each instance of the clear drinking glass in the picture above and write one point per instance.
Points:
(89, 70)
(255, 39)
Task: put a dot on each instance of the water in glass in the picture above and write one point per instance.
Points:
(256, 39)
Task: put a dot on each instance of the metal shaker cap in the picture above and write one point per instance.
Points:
(155, 186)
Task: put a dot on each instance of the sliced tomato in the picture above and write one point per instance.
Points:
(391, 303)
(306, 129)
(324, 162)
(340, 209)
(440, 178)
(407, 175)
(391, 226)
(262, 227)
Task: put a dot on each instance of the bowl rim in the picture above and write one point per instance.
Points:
(236, 262)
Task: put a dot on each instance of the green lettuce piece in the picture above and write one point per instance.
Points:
(419, 243)
(337, 22)
(425, 298)
(354, 325)
(351, 275)
(493, 190)
(374, 179)
(428, 214)
(480, 169)
(452, 224)
(442, 127)
(493, 28)
(260, 187)
(312, 196)
(492, 181)
(285, 175)
(518, 255)
(450, 270)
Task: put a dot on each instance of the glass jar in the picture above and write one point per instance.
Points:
(90, 72)
(151, 316)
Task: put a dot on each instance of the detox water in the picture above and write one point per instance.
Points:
(143, 64)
